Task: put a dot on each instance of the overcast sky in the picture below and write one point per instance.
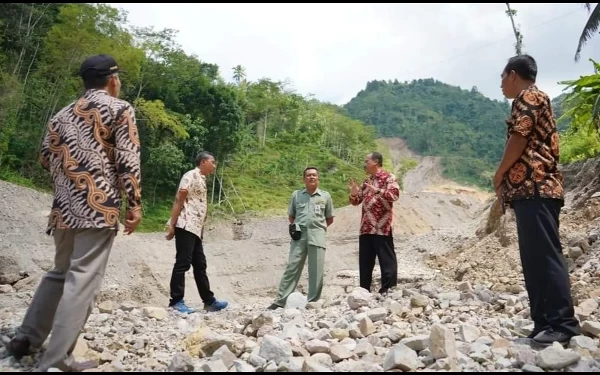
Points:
(332, 50)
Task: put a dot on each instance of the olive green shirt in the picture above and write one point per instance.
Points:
(311, 213)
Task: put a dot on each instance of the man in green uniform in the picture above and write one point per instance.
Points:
(310, 212)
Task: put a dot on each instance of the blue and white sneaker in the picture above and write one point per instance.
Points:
(182, 308)
(216, 306)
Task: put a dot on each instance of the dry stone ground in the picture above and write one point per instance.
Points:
(460, 304)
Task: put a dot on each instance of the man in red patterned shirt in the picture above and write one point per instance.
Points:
(377, 195)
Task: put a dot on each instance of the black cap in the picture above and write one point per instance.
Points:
(98, 66)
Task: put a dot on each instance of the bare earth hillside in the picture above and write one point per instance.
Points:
(460, 304)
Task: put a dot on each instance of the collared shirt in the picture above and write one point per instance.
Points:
(195, 207)
(92, 150)
(311, 212)
(377, 209)
(536, 172)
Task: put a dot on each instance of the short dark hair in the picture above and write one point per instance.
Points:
(96, 82)
(377, 158)
(524, 65)
(308, 169)
(204, 155)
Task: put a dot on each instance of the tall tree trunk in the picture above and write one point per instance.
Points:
(518, 36)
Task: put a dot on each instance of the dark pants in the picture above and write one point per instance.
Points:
(382, 247)
(189, 253)
(544, 266)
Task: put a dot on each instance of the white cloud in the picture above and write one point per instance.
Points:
(332, 50)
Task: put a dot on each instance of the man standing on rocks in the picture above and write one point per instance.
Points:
(188, 218)
(92, 150)
(310, 213)
(528, 180)
(377, 195)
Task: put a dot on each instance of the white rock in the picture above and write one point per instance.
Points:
(358, 298)
(591, 328)
(214, 366)
(339, 353)
(469, 333)
(441, 342)
(275, 349)
(317, 346)
(556, 357)
(241, 366)
(224, 354)
(401, 357)
(296, 301)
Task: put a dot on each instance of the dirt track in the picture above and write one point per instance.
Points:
(247, 271)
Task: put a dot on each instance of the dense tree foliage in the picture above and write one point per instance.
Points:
(580, 117)
(262, 133)
(464, 127)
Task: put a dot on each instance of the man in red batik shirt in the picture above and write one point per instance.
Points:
(377, 195)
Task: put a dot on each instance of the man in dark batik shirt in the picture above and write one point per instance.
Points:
(528, 180)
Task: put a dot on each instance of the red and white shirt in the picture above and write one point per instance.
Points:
(377, 208)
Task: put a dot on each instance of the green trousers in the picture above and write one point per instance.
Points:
(299, 251)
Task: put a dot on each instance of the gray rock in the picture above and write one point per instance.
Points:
(591, 328)
(525, 355)
(241, 366)
(377, 314)
(296, 364)
(257, 361)
(339, 353)
(182, 362)
(586, 308)
(531, 368)
(469, 333)
(556, 357)
(214, 366)
(317, 346)
(224, 354)
(583, 343)
(401, 357)
(416, 343)
(441, 342)
(363, 347)
(275, 349)
(358, 298)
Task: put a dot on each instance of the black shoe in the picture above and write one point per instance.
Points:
(537, 332)
(18, 347)
(274, 307)
(549, 336)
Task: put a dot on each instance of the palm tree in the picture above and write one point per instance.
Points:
(591, 27)
(239, 74)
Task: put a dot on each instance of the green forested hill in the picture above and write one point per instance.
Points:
(262, 134)
(559, 110)
(464, 127)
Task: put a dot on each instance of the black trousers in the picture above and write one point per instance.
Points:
(544, 266)
(371, 246)
(189, 253)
